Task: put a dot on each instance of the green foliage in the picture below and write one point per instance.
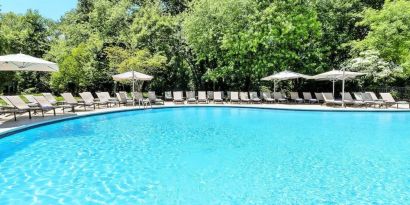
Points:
(378, 71)
(139, 60)
(73, 69)
(253, 40)
(24, 33)
(28, 33)
(389, 32)
(339, 20)
(209, 44)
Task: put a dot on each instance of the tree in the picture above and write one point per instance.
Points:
(28, 33)
(74, 68)
(138, 60)
(389, 32)
(157, 31)
(378, 71)
(338, 20)
(206, 44)
(238, 42)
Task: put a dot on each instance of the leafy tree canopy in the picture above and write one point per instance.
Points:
(389, 32)
(209, 44)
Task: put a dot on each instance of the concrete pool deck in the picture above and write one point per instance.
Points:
(7, 122)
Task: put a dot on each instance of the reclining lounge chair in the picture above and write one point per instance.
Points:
(234, 97)
(254, 97)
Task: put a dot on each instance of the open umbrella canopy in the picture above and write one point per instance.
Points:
(22, 62)
(137, 76)
(132, 76)
(285, 75)
(335, 75)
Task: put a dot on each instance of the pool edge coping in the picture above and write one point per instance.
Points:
(23, 128)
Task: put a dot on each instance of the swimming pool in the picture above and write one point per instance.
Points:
(210, 155)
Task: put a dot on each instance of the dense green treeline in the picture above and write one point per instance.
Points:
(209, 44)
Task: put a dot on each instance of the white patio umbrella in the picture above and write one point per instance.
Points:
(22, 62)
(284, 75)
(336, 75)
(133, 76)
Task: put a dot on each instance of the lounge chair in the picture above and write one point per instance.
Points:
(190, 97)
(244, 97)
(178, 97)
(307, 96)
(217, 97)
(88, 100)
(389, 100)
(153, 98)
(168, 96)
(279, 97)
(266, 96)
(358, 96)
(348, 99)
(140, 99)
(330, 100)
(9, 108)
(254, 97)
(374, 97)
(7, 101)
(210, 95)
(122, 99)
(233, 97)
(112, 100)
(70, 100)
(294, 96)
(367, 98)
(21, 106)
(91, 99)
(46, 105)
(50, 98)
(31, 101)
(202, 97)
(127, 97)
(319, 97)
(102, 98)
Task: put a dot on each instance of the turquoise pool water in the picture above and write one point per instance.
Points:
(211, 156)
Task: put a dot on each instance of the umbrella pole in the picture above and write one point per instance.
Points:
(133, 88)
(333, 87)
(274, 85)
(343, 89)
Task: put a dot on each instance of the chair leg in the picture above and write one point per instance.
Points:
(29, 114)
(54, 111)
(15, 117)
(42, 113)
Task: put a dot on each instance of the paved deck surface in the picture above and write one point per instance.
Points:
(7, 121)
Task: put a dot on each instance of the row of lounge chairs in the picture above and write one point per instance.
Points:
(365, 99)
(237, 97)
(48, 102)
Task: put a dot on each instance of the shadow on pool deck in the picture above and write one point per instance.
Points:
(7, 120)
